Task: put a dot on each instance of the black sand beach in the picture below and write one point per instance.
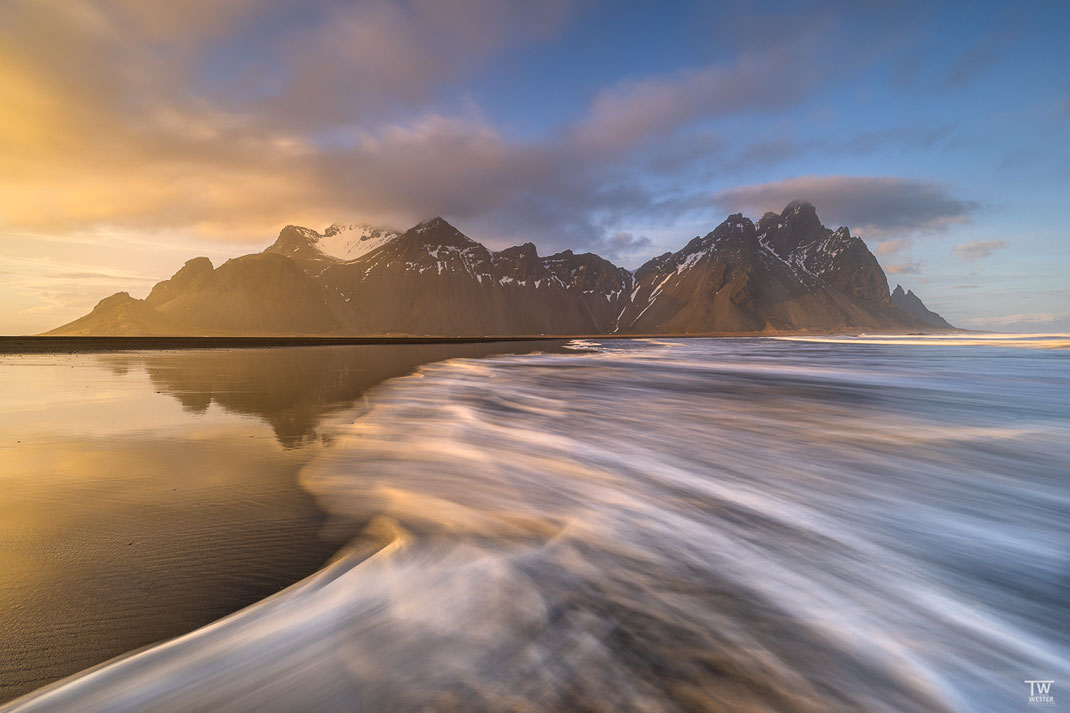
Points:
(36, 344)
(149, 493)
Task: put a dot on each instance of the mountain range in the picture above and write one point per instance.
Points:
(784, 273)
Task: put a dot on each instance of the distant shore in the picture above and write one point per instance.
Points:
(70, 345)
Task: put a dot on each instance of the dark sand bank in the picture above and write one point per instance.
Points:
(74, 345)
(146, 494)
(79, 345)
(39, 344)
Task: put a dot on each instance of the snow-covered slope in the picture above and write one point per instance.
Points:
(348, 242)
(338, 243)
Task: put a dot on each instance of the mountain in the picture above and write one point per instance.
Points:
(786, 273)
(435, 280)
(265, 293)
(911, 304)
(122, 316)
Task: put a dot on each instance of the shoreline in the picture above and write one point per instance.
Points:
(145, 537)
(484, 532)
(38, 344)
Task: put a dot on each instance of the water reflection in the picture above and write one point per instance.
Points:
(700, 525)
(146, 494)
(292, 389)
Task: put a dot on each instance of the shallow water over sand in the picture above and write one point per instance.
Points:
(145, 494)
(737, 525)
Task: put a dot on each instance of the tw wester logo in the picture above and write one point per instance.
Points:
(1040, 692)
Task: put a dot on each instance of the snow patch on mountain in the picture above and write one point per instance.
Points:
(349, 242)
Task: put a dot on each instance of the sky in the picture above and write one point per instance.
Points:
(136, 135)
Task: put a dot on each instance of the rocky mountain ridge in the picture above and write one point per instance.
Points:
(787, 272)
(911, 304)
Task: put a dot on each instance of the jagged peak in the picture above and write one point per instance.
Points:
(903, 293)
(366, 229)
(198, 263)
(301, 230)
(438, 232)
(436, 223)
(736, 221)
(115, 300)
(563, 255)
(795, 226)
(526, 249)
(584, 258)
(801, 217)
(736, 224)
(659, 261)
(693, 245)
(294, 239)
(799, 207)
(912, 304)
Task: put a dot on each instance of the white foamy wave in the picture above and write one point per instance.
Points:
(720, 525)
(582, 344)
(1024, 341)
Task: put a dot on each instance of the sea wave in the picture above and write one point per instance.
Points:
(736, 525)
(994, 339)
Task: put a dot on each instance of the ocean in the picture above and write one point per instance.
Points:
(759, 524)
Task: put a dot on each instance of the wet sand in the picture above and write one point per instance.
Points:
(108, 547)
(146, 494)
(693, 526)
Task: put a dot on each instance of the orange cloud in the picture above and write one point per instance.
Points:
(111, 124)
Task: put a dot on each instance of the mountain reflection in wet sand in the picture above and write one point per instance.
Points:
(148, 493)
(662, 525)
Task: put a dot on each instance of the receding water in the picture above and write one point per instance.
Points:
(693, 525)
(146, 494)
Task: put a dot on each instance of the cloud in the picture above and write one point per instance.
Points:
(623, 247)
(904, 267)
(365, 59)
(99, 276)
(906, 137)
(121, 132)
(874, 205)
(974, 61)
(633, 111)
(231, 121)
(286, 63)
(223, 121)
(1024, 318)
(773, 151)
(891, 247)
(977, 249)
